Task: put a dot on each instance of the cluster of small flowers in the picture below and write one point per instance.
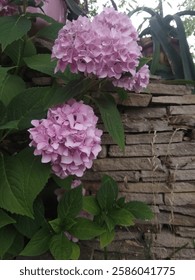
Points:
(68, 138)
(8, 8)
(106, 47)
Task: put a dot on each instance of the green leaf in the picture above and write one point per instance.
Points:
(3, 112)
(10, 125)
(90, 205)
(75, 252)
(3, 73)
(111, 118)
(13, 28)
(5, 219)
(23, 176)
(56, 225)
(7, 236)
(39, 243)
(121, 202)
(63, 183)
(19, 49)
(29, 105)
(122, 217)
(71, 203)
(28, 226)
(109, 222)
(85, 229)
(74, 7)
(11, 86)
(17, 245)
(106, 238)
(140, 210)
(43, 64)
(108, 192)
(50, 32)
(60, 247)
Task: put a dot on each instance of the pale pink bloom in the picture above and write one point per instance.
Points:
(106, 47)
(68, 138)
(7, 8)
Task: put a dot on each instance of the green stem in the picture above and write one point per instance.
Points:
(24, 6)
(105, 253)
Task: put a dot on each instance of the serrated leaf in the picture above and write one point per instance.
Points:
(108, 192)
(39, 243)
(7, 236)
(5, 219)
(140, 210)
(10, 87)
(23, 176)
(85, 229)
(13, 28)
(90, 205)
(122, 217)
(71, 203)
(60, 247)
(111, 118)
(106, 238)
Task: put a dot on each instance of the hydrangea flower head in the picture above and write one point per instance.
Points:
(106, 47)
(67, 138)
(7, 8)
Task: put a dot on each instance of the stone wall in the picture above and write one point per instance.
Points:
(157, 167)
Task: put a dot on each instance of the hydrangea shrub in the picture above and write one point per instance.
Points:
(49, 133)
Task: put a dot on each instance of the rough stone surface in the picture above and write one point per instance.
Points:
(157, 167)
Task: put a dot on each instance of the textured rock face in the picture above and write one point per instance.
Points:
(157, 167)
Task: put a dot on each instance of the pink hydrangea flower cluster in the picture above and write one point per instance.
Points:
(7, 8)
(67, 138)
(106, 47)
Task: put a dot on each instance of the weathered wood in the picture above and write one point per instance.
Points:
(187, 99)
(155, 137)
(182, 110)
(134, 99)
